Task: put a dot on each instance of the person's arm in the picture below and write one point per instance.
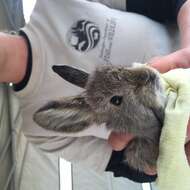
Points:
(13, 58)
(180, 58)
(184, 24)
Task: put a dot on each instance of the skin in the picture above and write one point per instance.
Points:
(13, 58)
(178, 59)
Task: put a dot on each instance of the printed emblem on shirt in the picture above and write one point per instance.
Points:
(84, 35)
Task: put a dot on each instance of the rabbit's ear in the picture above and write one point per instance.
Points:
(68, 115)
(72, 75)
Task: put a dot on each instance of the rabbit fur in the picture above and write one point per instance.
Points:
(127, 100)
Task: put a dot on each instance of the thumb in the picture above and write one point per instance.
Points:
(119, 141)
(178, 59)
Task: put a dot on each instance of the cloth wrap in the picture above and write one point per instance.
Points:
(172, 165)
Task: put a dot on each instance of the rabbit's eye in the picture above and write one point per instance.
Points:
(116, 100)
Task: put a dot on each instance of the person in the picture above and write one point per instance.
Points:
(55, 39)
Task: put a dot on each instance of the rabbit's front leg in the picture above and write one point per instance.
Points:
(141, 154)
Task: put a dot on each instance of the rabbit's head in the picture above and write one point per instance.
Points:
(125, 99)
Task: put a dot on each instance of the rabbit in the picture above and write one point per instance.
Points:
(126, 99)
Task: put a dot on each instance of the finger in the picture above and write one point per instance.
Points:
(119, 141)
(178, 59)
(150, 171)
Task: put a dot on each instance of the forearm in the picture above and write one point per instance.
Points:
(184, 24)
(13, 58)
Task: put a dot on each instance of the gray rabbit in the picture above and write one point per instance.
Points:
(127, 100)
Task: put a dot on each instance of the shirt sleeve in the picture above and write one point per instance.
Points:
(159, 10)
(21, 85)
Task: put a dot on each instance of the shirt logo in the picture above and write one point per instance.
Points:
(84, 35)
